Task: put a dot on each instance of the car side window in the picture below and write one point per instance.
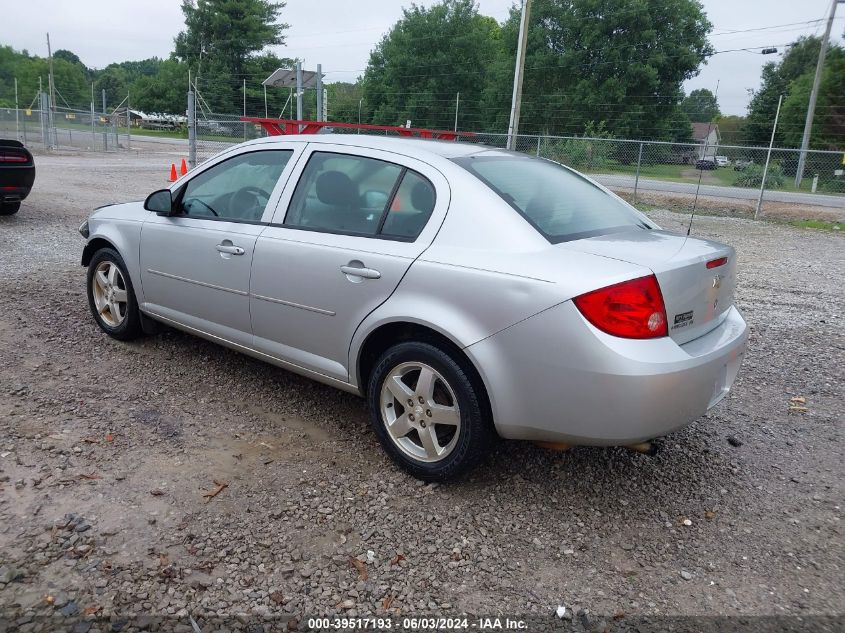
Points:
(341, 193)
(411, 207)
(236, 189)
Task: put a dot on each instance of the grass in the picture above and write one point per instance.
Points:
(821, 225)
(724, 176)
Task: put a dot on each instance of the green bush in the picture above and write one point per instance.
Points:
(834, 185)
(752, 175)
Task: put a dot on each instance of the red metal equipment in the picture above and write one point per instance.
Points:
(279, 127)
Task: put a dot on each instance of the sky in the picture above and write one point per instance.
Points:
(339, 34)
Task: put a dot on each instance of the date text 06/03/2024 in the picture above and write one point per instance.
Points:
(494, 623)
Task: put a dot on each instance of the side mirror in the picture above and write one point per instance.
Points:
(160, 202)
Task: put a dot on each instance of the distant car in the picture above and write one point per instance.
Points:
(723, 161)
(742, 163)
(705, 163)
(464, 291)
(17, 173)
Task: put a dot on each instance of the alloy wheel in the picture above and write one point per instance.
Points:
(420, 412)
(109, 291)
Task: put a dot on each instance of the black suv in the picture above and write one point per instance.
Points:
(17, 173)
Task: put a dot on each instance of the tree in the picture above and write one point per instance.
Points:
(115, 81)
(221, 37)
(343, 98)
(829, 120)
(161, 91)
(68, 56)
(701, 106)
(427, 58)
(732, 129)
(776, 80)
(615, 61)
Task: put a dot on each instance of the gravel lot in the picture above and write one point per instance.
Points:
(106, 451)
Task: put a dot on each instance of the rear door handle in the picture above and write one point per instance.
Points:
(231, 249)
(355, 271)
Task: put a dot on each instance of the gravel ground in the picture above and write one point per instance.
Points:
(107, 450)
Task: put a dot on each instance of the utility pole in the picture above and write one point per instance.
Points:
(811, 108)
(513, 126)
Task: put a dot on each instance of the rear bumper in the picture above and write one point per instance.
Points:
(554, 377)
(16, 182)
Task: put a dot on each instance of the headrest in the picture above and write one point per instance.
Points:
(336, 188)
(422, 197)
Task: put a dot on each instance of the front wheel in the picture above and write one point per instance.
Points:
(428, 412)
(111, 296)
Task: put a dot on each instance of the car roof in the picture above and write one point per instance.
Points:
(404, 145)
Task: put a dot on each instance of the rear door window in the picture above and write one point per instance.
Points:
(559, 203)
(358, 195)
(411, 207)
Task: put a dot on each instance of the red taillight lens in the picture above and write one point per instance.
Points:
(13, 158)
(632, 309)
(715, 263)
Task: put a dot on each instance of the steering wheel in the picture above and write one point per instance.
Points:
(213, 212)
(240, 202)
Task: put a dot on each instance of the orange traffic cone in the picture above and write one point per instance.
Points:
(183, 168)
(173, 175)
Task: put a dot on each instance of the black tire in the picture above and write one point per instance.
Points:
(475, 435)
(9, 208)
(130, 327)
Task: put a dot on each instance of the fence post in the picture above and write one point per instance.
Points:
(17, 113)
(128, 124)
(538, 145)
(637, 177)
(42, 105)
(105, 125)
(192, 130)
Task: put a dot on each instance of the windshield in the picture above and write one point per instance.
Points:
(559, 203)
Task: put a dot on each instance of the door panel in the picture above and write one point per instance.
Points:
(311, 288)
(195, 266)
(197, 272)
(304, 307)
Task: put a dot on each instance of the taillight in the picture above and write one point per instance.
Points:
(13, 158)
(715, 263)
(632, 309)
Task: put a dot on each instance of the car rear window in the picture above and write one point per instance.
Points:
(559, 203)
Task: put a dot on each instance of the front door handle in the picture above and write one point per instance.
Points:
(230, 248)
(356, 271)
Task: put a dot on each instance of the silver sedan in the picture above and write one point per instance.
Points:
(466, 292)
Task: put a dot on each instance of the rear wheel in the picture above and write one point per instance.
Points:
(427, 412)
(10, 208)
(111, 296)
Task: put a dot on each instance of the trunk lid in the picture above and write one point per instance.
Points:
(697, 298)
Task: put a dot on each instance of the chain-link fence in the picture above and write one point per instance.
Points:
(216, 132)
(722, 171)
(631, 166)
(64, 128)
